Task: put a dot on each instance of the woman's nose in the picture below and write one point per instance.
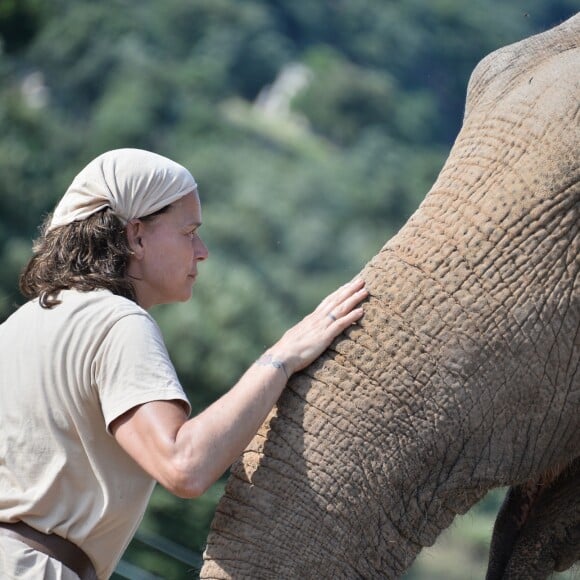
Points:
(201, 252)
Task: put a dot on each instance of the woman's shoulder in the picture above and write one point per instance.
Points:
(100, 300)
(93, 309)
(97, 312)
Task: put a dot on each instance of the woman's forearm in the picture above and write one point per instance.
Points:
(210, 442)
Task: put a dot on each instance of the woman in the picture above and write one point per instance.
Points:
(91, 410)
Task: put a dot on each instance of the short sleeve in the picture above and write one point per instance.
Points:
(133, 367)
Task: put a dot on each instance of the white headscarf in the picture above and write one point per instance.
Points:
(132, 182)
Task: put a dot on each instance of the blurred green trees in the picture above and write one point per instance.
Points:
(313, 128)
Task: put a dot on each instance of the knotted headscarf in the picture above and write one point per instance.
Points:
(132, 182)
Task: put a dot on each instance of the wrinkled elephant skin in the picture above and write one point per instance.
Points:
(463, 374)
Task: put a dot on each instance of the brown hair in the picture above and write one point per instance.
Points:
(85, 255)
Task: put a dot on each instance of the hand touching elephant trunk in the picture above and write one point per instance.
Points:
(464, 373)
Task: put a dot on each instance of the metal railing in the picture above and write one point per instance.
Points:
(168, 548)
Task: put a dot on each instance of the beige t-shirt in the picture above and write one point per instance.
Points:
(65, 375)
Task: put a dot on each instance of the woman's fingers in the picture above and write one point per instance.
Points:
(340, 303)
(342, 292)
(302, 343)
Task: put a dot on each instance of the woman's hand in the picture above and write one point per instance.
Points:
(308, 339)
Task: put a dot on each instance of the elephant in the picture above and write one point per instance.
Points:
(463, 374)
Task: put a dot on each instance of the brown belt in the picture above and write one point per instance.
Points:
(54, 546)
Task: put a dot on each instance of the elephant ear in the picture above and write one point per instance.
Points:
(501, 71)
(537, 530)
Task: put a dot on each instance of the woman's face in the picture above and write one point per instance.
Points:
(166, 251)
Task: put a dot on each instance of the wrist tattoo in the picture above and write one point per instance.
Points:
(268, 360)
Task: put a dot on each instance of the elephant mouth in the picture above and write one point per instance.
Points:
(538, 521)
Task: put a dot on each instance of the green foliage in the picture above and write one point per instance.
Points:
(344, 99)
(20, 20)
(300, 186)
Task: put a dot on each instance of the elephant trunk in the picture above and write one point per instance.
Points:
(371, 452)
(462, 375)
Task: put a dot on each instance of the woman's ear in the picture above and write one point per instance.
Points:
(134, 230)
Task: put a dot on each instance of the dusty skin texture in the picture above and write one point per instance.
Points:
(462, 376)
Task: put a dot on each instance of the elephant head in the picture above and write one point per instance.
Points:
(464, 373)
